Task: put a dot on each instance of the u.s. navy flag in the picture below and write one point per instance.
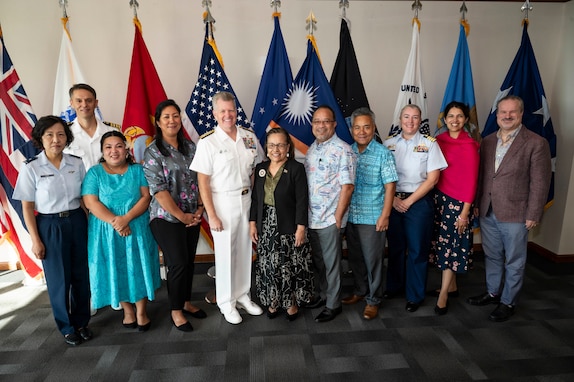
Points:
(346, 81)
(275, 81)
(460, 86)
(211, 79)
(309, 90)
(523, 80)
(412, 90)
(67, 74)
(16, 122)
(145, 91)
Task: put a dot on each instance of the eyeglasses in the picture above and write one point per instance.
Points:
(277, 146)
(324, 122)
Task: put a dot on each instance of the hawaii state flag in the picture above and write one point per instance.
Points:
(16, 122)
(346, 81)
(412, 90)
(523, 80)
(67, 75)
(211, 79)
(275, 82)
(145, 92)
(460, 86)
(309, 90)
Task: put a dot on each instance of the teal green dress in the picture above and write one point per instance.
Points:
(122, 269)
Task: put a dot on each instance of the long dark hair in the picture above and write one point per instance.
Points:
(181, 140)
(115, 133)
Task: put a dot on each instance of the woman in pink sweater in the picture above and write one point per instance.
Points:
(454, 195)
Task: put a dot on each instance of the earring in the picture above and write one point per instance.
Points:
(287, 155)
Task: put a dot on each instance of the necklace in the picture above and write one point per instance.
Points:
(110, 169)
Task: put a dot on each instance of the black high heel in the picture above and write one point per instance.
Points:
(131, 325)
(441, 311)
(144, 328)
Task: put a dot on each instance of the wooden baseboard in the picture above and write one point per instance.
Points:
(10, 265)
(549, 255)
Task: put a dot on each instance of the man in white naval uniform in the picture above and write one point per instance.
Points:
(224, 161)
(86, 128)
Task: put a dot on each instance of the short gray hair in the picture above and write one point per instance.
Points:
(362, 111)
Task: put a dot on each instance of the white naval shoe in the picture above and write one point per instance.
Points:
(250, 307)
(233, 317)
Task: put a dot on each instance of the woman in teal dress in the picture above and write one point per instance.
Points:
(123, 255)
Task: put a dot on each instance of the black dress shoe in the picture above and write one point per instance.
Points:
(86, 333)
(501, 313)
(144, 328)
(316, 302)
(436, 292)
(412, 306)
(183, 327)
(328, 314)
(197, 314)
(441, 311)
(389, 294)
(291, 317)
(271, 315)
(131, 325)
(73, 339)
(483, 299)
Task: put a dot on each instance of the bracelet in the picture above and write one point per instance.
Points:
(199, 205)
(462, 220)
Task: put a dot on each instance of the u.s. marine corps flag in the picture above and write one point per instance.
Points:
(412, 90)
(523, 80)
(145, 91)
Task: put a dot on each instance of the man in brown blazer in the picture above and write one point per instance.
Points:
(513, 185)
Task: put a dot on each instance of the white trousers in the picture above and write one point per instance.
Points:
(233, 249)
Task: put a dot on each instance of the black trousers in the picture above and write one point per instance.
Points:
(178, 245)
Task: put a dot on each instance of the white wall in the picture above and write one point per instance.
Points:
(103, 32)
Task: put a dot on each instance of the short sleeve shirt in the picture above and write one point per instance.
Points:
(414, 159)
(52, 190)
(375, 168)
(329, 166)
(229, 163)
(86, 147)
(171, 173)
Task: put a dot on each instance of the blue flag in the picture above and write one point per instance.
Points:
(523, 80)
(211, 79)
(276, 80)
(460, 86)
(309, 90)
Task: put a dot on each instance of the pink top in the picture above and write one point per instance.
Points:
(459, 180)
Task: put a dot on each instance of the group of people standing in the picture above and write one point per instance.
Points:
(101, 217)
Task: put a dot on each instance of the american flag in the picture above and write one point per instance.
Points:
(16, 122)
(211, 79)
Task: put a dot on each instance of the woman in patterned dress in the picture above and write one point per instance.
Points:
(278, 221)
(454, 194)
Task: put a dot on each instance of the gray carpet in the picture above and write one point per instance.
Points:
(536, 344)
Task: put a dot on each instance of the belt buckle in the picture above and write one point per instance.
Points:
(64, 214)
(245, 191)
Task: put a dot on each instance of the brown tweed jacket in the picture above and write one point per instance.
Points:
(518, 190)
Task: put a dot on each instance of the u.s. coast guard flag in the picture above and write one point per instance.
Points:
(211, 79)
(523, 80)
(346, 80)
(67, 74)
(16, 122)
(275, 81)
(310, 89)
(460, 86)
(412, 90)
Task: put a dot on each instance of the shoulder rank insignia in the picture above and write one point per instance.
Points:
(246, 128)
(430, 138)
(207, 134)
(114, 125)
(29, 160)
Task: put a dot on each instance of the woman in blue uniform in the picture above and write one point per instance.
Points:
(50, 183)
